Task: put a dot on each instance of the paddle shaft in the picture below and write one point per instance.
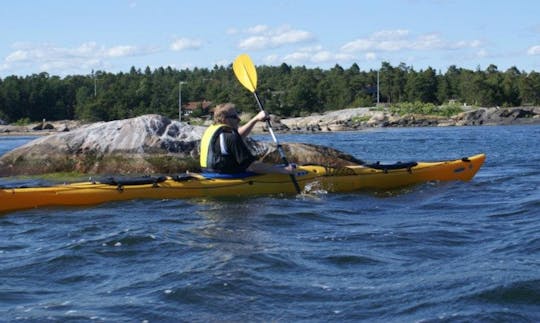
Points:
(279, 148)
(247, 75)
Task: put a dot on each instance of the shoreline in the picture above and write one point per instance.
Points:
(39, 129)
(359, 119)
(353, 119)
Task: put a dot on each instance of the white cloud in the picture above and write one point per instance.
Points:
(322, 56)
(400, 39)
(482, 53)
(472, 44)
(427, 42)
(391, 34)
(344, 57)
(17, 56)
(291, 37)
(272, 59)
(232, 31)
(370, 56)
(222, 62)
(257, 29)
(49, 57)
(185, 43)
(297, 57)
(254, 43)
(314, 48)
(121, 51)
(264, 37)
(86, 49)
(534, 50)
(317, 55)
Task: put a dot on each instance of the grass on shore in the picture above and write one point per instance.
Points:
(445, 110)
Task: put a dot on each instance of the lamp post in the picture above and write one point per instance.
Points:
(94, 76)
(180, 100)
(378, 88)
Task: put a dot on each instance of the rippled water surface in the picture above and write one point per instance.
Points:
(434, 252)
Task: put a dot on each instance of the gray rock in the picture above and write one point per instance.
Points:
(144, 144)
(303, 154)
(498, 116)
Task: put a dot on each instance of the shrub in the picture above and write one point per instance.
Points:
(446, 110)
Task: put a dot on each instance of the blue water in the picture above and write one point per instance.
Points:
(438, 252)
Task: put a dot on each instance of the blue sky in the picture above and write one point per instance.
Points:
(75, 37)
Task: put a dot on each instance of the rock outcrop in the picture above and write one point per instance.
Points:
(137, 145)
(361, 118)
(142, 145)
(40, 128)
(498, 116)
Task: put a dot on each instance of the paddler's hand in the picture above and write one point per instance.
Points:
(262, 116)
(290, 169)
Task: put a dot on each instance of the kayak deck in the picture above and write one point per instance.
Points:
(346, 179)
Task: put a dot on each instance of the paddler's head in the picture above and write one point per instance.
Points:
(226, 114)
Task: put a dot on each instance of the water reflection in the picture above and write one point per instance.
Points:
(231, 225)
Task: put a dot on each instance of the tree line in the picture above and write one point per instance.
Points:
(285, 90)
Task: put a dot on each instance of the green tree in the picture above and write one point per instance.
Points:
(422, 86)
(285, 90)
(529, 89)
(510, 87)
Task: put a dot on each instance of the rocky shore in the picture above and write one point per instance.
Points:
(363, 118)
(340, 120)
(39, 129)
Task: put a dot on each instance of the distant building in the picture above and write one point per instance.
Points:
(194, 105)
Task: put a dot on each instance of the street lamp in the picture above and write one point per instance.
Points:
(378, 93)
(180, 100)
(94, 76)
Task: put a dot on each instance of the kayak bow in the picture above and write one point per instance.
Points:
(190, 185)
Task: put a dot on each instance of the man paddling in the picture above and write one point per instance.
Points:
(223, 149)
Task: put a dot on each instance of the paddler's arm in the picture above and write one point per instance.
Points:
(246, 129)
(264, 168)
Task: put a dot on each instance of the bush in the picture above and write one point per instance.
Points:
(22, 122)
(425, 109)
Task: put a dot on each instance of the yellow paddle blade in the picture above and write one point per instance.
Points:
(245, 72)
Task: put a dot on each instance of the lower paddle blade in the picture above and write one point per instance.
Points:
(245, 72)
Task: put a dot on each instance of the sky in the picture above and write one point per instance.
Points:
(76, 37)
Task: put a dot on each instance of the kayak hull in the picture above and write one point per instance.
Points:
(346, 179)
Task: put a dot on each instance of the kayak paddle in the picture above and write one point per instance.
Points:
(247, 75)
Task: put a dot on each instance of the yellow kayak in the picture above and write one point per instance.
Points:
(190, 185)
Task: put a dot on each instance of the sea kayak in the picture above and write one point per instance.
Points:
(191, 185)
